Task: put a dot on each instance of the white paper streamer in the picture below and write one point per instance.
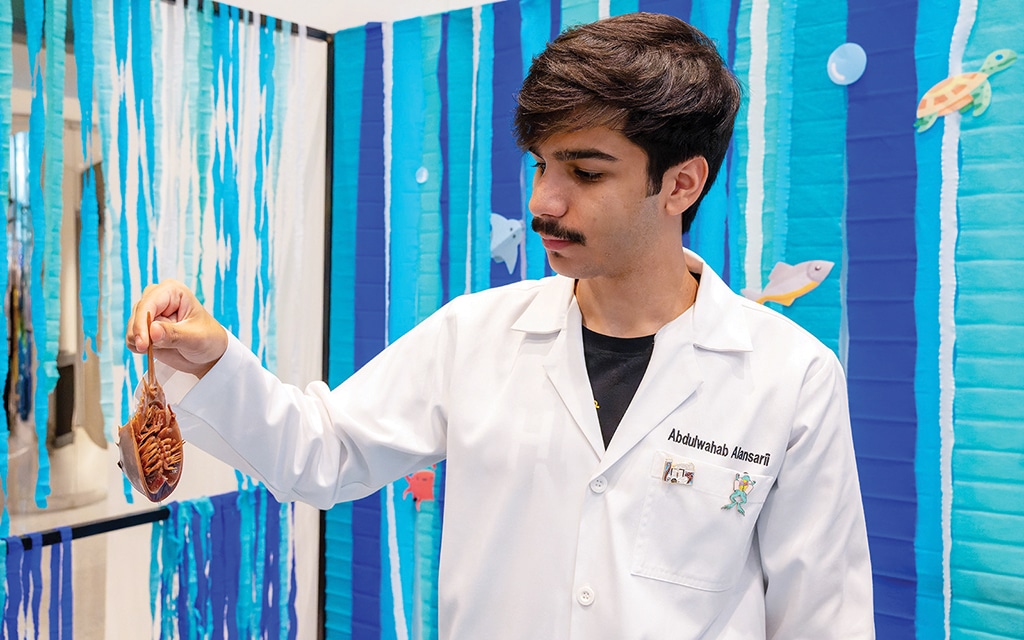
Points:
(948, 231)
(756, 142)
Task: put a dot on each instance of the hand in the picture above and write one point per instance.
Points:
(183, 333)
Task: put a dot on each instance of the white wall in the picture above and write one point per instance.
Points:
(335, 15)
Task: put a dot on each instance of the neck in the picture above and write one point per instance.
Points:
(638, 303)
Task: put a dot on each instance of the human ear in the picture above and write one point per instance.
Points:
(684, 183)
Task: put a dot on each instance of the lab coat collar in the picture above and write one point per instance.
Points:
(717, 323)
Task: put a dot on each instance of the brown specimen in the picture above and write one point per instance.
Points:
(150, 444)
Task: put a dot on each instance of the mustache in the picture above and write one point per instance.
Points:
(551, 228)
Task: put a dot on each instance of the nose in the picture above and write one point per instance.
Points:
(547, 197)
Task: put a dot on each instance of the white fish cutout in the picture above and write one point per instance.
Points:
(506, 236)
(787, 282)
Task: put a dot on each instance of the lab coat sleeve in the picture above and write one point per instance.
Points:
(322, 446)
(811, 532)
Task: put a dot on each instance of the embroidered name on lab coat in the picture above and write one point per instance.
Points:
(722, 449)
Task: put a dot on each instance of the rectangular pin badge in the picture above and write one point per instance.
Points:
(673, 471)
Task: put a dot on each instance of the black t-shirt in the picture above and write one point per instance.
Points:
(615, 367)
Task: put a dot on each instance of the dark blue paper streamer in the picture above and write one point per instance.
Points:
(270, 597)
(882, 174)
(33, 577)
(15, 554)
(678, 8)
(506, 159)
(445, 200)
(370, 323)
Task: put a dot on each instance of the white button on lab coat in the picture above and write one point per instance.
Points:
(726, 505)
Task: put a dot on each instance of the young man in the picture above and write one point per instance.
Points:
(633, 451)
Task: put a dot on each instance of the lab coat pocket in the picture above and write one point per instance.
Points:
(697, 522)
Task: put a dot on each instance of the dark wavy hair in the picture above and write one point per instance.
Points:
(654, 78)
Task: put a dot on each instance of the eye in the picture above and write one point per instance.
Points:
(540, 166)
(588, 176)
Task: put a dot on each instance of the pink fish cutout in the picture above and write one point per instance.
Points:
(787, 282)
(421, 486)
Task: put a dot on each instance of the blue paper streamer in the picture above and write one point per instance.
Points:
(3, 592)
(61, 612)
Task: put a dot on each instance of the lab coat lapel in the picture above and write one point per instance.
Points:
(716, 323)
(671, 378)
(555, 312)
(567, 371)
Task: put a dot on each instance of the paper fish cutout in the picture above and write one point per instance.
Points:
(421, 486)
(506, 236)
(787, 282)
(962, 91)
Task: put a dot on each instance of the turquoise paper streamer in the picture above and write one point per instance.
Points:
(259, 560)
(576, 12)
(203, 136)
(817, 160)
(480, 251)
(6, 79)
(987, 570)
(738, 194)
(534, 31)
(190, 105)
(428, 289)
(261, 291)
(89, 247)
(460, 125)
(142, 76)
(247, 519)
(170, 552)
(39, 127)
(349, 56)
(708, 231)
(934, 32)
(620, 7)
(407, 133)
(285, 553)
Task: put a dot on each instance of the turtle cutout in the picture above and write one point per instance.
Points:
(962, 92)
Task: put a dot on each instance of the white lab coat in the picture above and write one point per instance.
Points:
(546, 534)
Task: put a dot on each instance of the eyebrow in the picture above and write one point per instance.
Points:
(569, 155)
